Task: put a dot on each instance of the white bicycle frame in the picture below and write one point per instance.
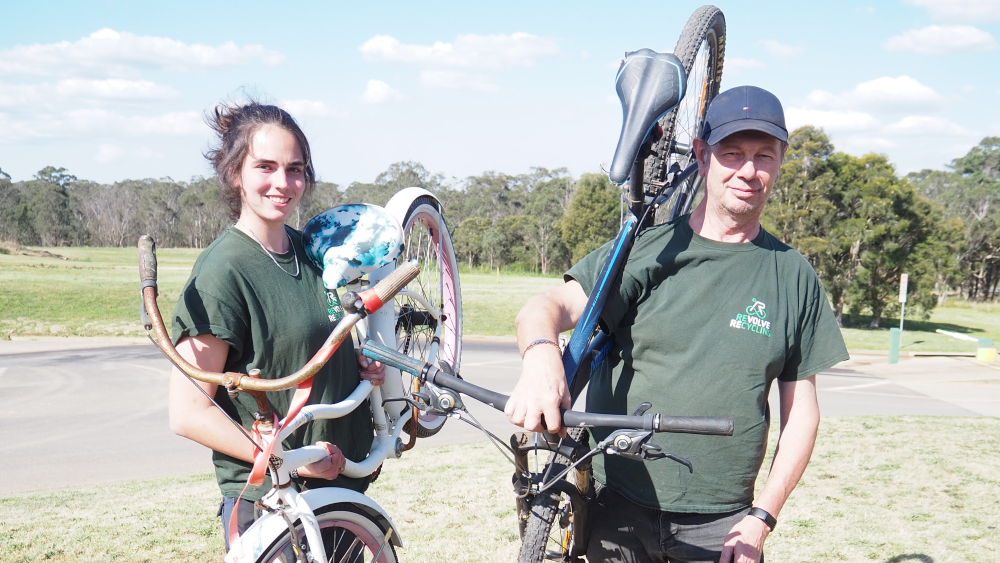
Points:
(283, 498)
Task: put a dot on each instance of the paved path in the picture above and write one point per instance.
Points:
(88, 416)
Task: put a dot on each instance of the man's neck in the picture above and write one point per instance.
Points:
(723, 228)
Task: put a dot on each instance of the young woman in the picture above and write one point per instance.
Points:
(254, 301)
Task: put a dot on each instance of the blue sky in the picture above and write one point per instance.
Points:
(116, 89)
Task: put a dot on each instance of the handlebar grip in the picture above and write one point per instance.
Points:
(392, 357)
(386, 289)
(147, 259)
(717, 425)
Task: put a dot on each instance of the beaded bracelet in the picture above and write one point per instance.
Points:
(536, 343)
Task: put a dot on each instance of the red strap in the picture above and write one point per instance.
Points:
(261, 457)
(234, 528)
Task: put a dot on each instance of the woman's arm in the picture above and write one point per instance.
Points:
(194, 416)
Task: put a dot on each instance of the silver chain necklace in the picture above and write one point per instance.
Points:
(273, 259)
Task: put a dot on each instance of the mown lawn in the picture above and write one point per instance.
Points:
(879, 489)
(95, 292)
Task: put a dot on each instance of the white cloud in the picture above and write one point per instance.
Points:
(309, 108)
(937, 40)
(73, 91)
(95, 122)
(451, 80)
(736, 64)
(584, 54)
(379, 92)
(926, 125)
(482, 52)
(965, 11)
(830, 120)
(779, 51)
(968, 88)
(175, 123)
(107, 52)
(114, 89)
(899, 93)
(108, 153)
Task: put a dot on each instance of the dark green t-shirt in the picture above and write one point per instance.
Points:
(702, 328)
(275, 323)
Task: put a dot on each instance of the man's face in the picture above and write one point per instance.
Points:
(739, 172)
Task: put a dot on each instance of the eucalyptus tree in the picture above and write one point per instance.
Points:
(593, 215)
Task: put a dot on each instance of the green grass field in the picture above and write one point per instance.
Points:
(94, 292)
(878, 489)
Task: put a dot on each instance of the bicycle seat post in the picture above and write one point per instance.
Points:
(636, 193)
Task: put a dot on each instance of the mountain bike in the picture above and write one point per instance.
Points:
(414, 311)
(664, 99)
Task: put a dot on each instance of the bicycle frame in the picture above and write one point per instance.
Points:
(583, 342)
(299, 506)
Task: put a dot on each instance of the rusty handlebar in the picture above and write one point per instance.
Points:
(373, 298)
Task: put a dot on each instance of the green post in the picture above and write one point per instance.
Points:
(895, 336)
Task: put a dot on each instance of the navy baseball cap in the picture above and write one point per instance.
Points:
(744, 108)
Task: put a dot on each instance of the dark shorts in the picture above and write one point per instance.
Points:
(624, 532)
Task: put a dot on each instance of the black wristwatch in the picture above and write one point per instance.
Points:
(764, 515)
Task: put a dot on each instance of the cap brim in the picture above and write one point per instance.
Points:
(727, 129)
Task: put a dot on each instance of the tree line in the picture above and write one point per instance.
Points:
(861, 226)
(858, 223)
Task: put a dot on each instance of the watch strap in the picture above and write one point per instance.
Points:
(764, 515)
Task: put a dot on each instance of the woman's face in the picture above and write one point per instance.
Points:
(273, 176)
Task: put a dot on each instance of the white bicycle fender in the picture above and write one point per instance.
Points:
(269, 527)
(400, 203)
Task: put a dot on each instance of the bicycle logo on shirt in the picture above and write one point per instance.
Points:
(757, 309)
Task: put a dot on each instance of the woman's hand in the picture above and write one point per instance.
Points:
(328, 468)
(371, 370)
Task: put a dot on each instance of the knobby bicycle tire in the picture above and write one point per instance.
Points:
(426, 239)
(701, 49)
(339, 526)
(543, 538)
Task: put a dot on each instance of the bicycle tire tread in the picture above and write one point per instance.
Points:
(697, 27)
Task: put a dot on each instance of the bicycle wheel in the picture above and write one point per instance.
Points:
(549, 528)
(348, 535)
(426, 239)
(701, 49)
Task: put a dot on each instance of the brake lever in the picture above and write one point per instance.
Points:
(635, 445)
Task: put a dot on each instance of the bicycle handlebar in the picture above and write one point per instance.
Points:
(373, 298)
(715, 425)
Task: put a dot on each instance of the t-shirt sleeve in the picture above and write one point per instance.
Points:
(623, 289)
(200, 311)
(818, 344)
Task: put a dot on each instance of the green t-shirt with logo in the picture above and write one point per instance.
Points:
(702, 328)
(275, 323)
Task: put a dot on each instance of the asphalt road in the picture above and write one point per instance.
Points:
(98, 416)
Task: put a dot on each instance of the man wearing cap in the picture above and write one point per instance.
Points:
(709, 311)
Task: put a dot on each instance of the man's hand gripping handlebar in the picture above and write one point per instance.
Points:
(717, 425)
(371, 300)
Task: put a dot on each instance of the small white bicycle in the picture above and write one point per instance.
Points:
(422, 318)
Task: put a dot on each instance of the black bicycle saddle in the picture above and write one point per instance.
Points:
(649, 85)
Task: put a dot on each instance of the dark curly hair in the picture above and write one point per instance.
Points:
(235, 126)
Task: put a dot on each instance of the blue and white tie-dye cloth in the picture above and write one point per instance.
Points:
(352, 240)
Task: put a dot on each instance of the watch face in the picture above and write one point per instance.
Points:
(349, 241)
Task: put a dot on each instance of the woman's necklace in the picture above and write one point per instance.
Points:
(273, 259)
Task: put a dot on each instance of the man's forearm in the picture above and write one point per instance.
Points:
(546, 315)
(800, 421)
